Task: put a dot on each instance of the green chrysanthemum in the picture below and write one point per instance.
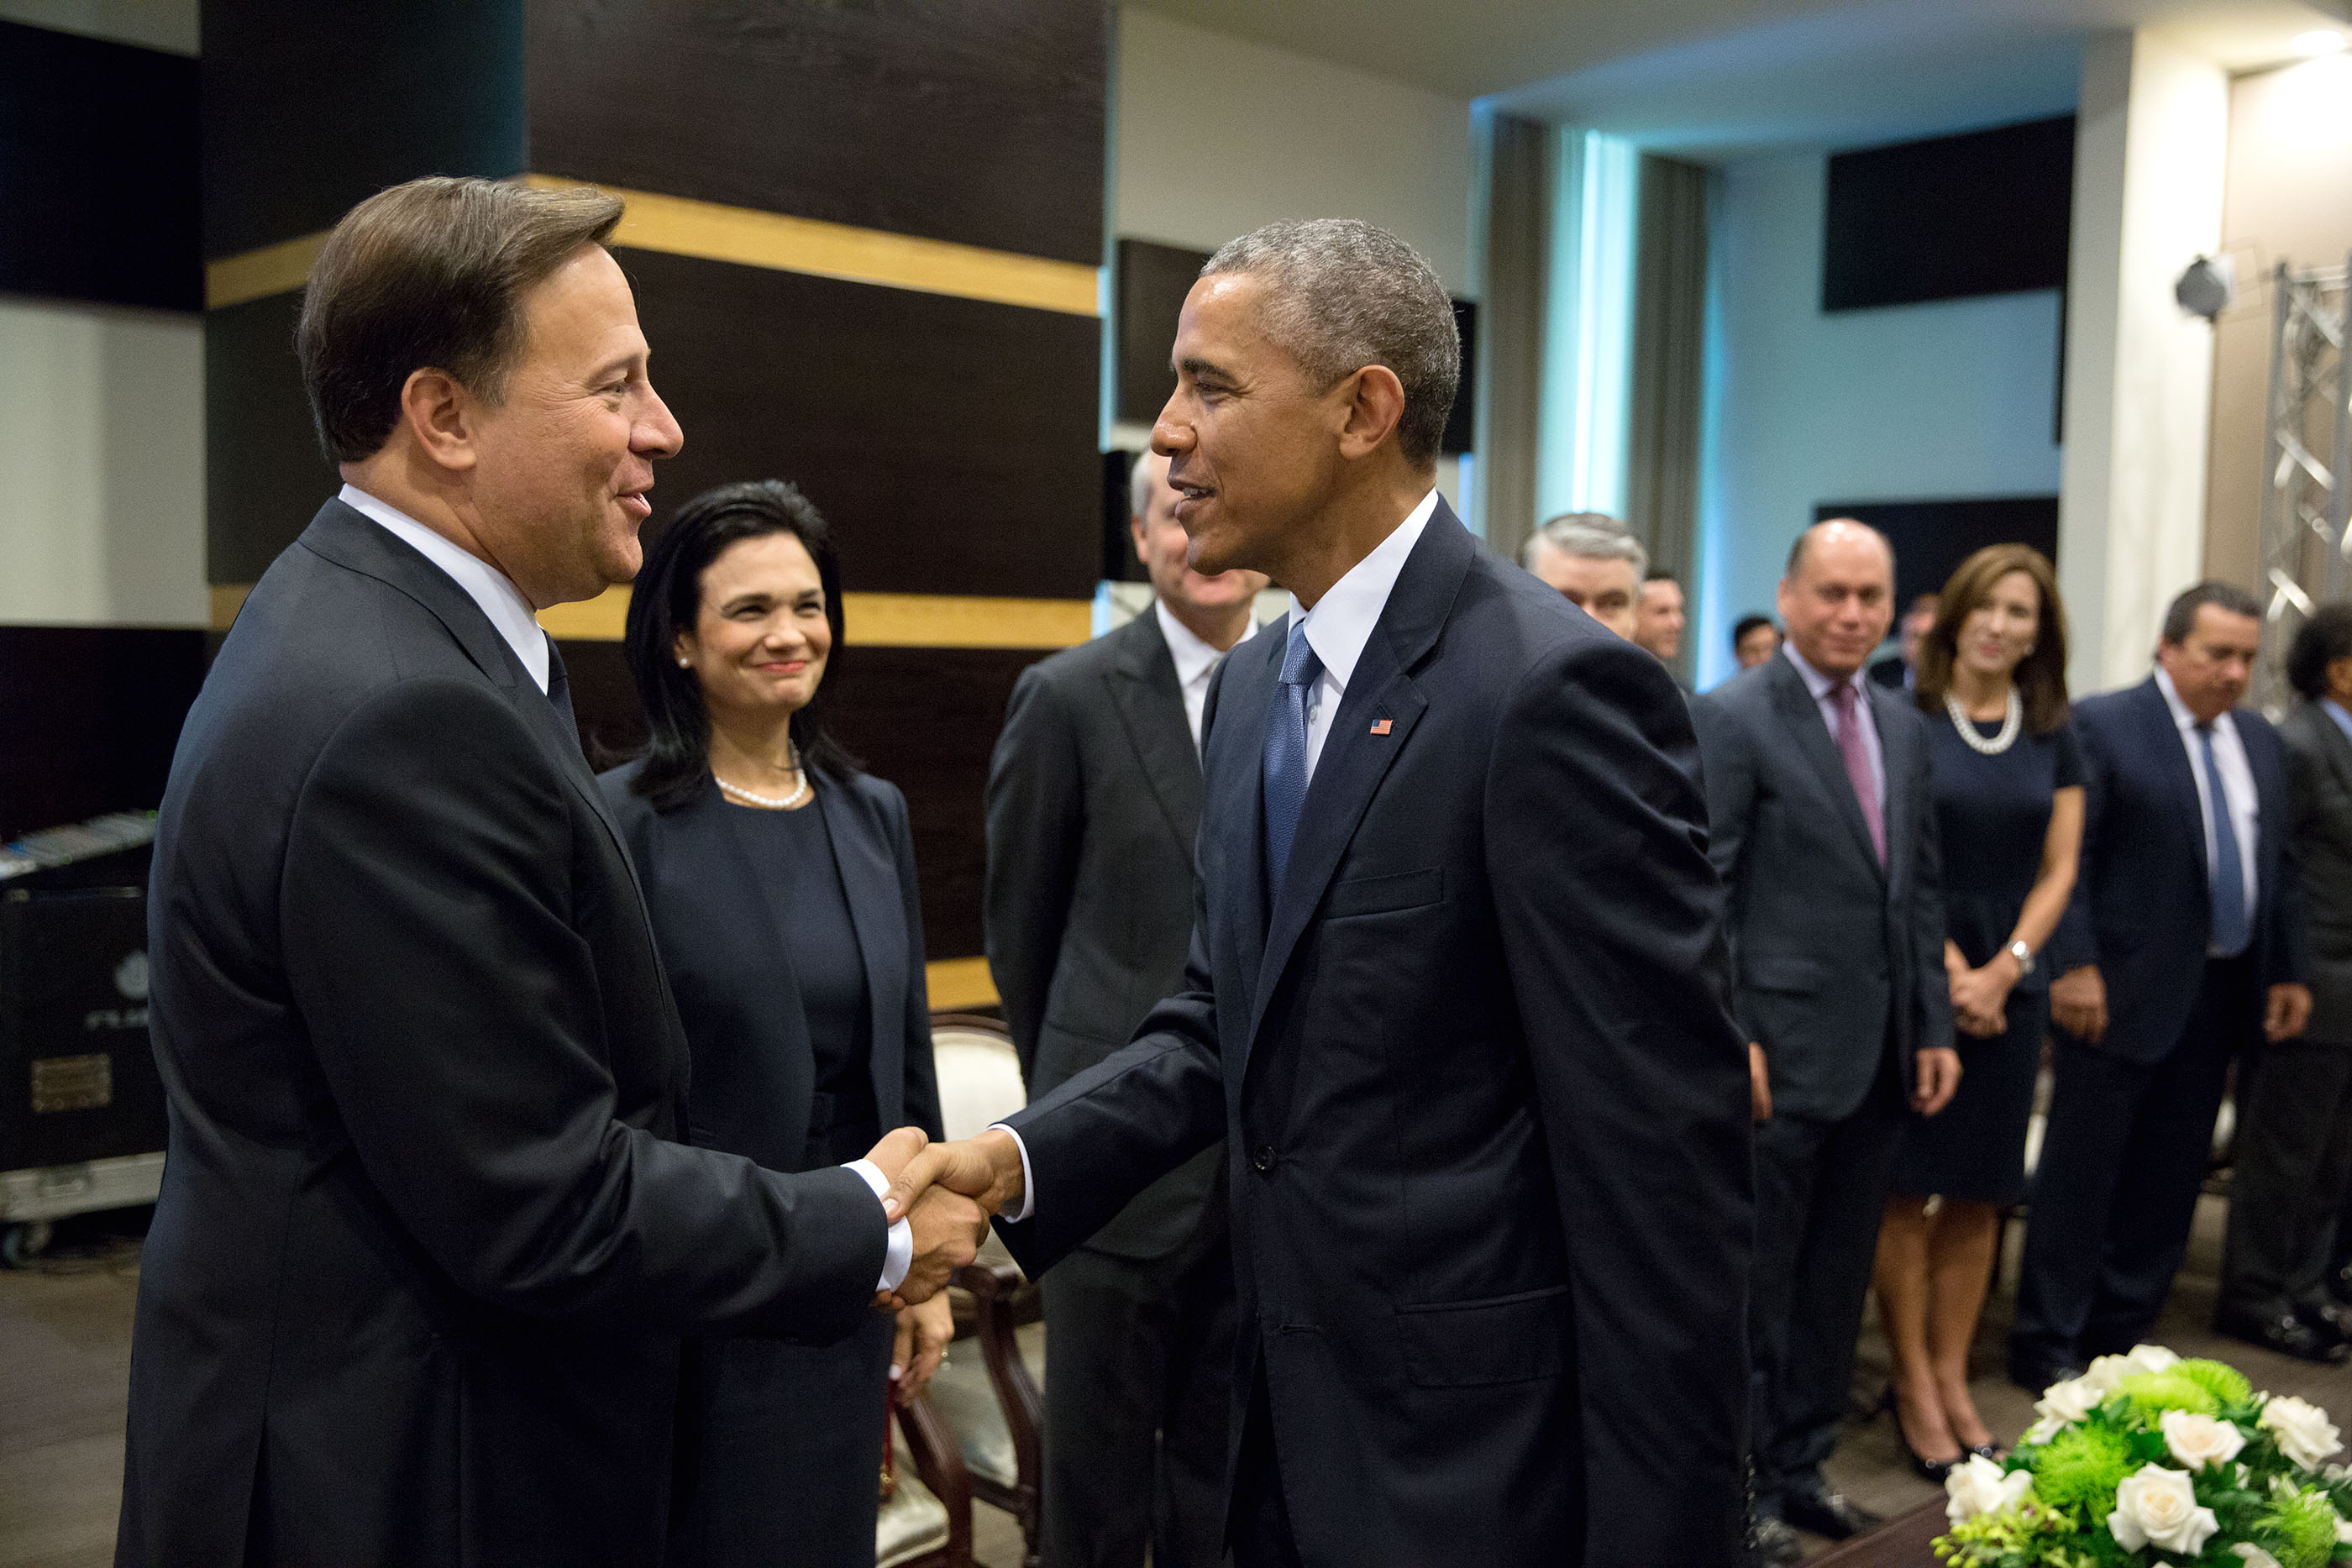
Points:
(2299, 1527)
(2153, 1393)
(2223, 1382)
(2077, 1471)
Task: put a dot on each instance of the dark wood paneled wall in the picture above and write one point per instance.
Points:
(264, 473)
(979, 123)
(97, 171)
(950, 443)
(91, 716)
(309, 108)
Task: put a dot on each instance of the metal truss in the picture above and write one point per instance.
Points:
(2307, 448)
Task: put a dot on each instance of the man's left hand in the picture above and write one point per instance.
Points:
(2288, 1012)
(1940, 1077)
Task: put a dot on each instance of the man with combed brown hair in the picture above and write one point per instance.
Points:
(416, 1285)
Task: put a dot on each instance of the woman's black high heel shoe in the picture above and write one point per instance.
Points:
(1930, 1470)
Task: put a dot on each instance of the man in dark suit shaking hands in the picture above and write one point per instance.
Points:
(1456, 998)
(418, 1279)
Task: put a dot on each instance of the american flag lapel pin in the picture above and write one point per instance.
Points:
(1380, 726)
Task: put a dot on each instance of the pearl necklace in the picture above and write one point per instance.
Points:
(2010, 725)
(772, 802)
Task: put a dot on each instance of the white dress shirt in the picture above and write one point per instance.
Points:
(1338, 627)
(1341, 622)
(510, 612)
(1196, 660)
(510, 615)
(2237, 786)
(1821, 686)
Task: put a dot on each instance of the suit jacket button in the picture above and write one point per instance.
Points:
(1264, 1158)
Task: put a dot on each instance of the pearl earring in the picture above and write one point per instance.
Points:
(685, 663)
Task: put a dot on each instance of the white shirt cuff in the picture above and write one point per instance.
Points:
(1028, 1181)
(900, 1255)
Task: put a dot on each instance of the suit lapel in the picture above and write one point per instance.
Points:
(2166, 743)
(1151, 704)
(869, 882)
(2337, 746)
(1244, 695)
(1895, 747)
(1802, 715)
(1354, 759)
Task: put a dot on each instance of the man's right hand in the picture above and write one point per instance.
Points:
(986, 1168)
(2078, 1003)
(946, 1230)
(1760, 1084)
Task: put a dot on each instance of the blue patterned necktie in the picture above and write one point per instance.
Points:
(1286, 755)
(2231, 930)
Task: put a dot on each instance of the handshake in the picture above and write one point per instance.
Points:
(947, 1193)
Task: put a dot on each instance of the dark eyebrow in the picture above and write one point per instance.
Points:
(1199, 367)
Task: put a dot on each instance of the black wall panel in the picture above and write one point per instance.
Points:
(979, 123)
(924, 718)
(97, 171)
(1152, 282)
(308, 108)
(949, 442)
(1932, 538)
(1986, 213)
(264, 474)
(91, 714)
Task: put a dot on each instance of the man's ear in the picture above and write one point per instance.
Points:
(442, 417)
(1137, 531)
(1375, 404)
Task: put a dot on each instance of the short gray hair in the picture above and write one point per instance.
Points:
(1344, 294)
(1140, 486)
(1595, 536)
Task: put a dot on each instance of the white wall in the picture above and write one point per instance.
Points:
(2150, 148)
(102, 462)
(1212, 136)
(1919, 402)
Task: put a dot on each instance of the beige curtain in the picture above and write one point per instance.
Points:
(1517, 199)
(1668, 371)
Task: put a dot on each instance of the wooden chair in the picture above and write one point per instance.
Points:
(994, 1408)
(926, 1516)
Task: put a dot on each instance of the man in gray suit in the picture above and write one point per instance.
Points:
(2294, 1131)
(1823, 829)
(1093, 800)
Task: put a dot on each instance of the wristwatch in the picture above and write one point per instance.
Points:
(2024, 957)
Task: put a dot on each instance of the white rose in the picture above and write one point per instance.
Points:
(2343, 1529)
(2254, 1555)
(2200, 1442)
(2040, 1432)
(2150, 1358)
(2304, 1431)
(1980, 1486)
(2066, 1403)
(2158, 1507)
(2102, 1375)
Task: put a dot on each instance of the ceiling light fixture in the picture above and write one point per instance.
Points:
(2325, 41)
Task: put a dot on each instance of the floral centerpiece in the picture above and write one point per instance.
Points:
(2147, 1458)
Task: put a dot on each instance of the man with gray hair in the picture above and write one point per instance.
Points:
(1596, 564)
(1489, 1172)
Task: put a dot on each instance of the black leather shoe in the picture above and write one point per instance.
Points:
(1777, 1545)
(2339, 1285)
(2328, 1320)
(1827, 1513)
(2283, 1334)
(2036, 1378)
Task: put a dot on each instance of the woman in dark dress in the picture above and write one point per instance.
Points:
(2009, 810)
(780, 881)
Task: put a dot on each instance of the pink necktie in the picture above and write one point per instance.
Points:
(1856, 757)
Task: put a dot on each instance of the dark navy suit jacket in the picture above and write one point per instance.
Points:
(1487, 1114)
(2142, 909)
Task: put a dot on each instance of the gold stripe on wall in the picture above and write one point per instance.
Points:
(258, 274)
(871, 619)
(749, 238)
(882, 621)
(227, 597)
(956, 983)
